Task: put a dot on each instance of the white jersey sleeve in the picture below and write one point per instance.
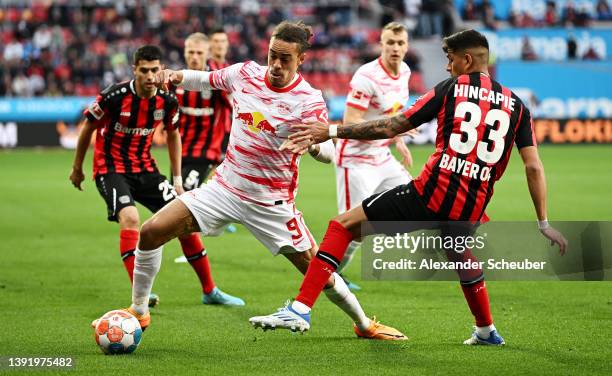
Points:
(224, 79)
(221, 79)
(361, 93)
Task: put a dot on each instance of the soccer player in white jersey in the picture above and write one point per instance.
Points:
(378, 89)
(256, 183)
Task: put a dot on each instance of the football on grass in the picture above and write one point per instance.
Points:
(118, 332)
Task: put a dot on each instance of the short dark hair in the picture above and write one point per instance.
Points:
(217, 30)
(294, 32)
(465, 39)
(148, 53)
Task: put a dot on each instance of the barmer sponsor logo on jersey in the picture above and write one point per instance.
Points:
(136, 131)
(256, 122)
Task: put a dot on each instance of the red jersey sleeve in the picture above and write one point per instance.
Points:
(428, 106)
(525, 134)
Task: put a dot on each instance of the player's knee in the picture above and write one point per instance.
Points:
(150, 234)
(348, 222)
(128, 218)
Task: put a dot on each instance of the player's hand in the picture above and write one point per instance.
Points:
(555, 237)
(311, 133)
(166, 76)
(295, 147)
(179, 189)
(77, 177)
(404, 152)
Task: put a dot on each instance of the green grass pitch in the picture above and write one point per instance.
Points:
(60, 268)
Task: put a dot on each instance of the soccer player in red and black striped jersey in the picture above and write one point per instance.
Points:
(479, 120)
(219, 46)
(124, 117)
(203, 118)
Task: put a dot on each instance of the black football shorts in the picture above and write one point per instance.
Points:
(195, 172)
(151, 189)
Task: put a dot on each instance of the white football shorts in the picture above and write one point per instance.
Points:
(280, 228)
(355, 184)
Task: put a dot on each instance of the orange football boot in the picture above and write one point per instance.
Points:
(376, 330)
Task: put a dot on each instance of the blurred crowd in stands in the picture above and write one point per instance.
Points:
(70, 47)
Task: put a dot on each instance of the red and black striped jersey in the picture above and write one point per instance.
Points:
(125, 125)
(478, 121)
(227, 110)
(205, 118)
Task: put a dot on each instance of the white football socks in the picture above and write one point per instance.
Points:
(341, 296)
(146, 267)
(300, 307)
(484, 331)
(348, 256)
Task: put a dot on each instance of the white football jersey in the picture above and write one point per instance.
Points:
(378, 93)
(254, 168)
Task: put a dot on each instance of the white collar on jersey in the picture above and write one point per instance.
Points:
(133, 89)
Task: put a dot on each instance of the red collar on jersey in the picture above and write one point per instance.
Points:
(387, 72)
(283, 89)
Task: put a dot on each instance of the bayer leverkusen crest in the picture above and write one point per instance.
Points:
(158, 115)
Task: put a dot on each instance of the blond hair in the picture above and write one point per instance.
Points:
(197, 37)
(395, 26)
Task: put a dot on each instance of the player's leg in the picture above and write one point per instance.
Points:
(154, 194)
(282, 229)
(474, 288)
(397, 204)
(336, 290)
(129, 222)
(353, 185)
(115, 190)
(391, 205)
(172, 221)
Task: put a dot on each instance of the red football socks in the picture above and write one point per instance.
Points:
(326, 261)
(194, 251)
(478, 301)
(128, 240)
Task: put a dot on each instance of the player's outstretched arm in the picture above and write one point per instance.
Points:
(375, 129)
(173, 140)
(534, 170)
(191, 80)
(166, 76)
(76, 175)
(314, 133)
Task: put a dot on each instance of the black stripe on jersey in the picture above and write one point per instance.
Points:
(143, 139)
(489, 193)
(196, 122)
(455, 178)
(449, 117)
(109, 137)
(127, 138)
(510, 137)
(474, 185)
(209, 135)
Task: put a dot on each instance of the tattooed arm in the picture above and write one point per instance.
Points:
(376, 129)
(314, 133)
